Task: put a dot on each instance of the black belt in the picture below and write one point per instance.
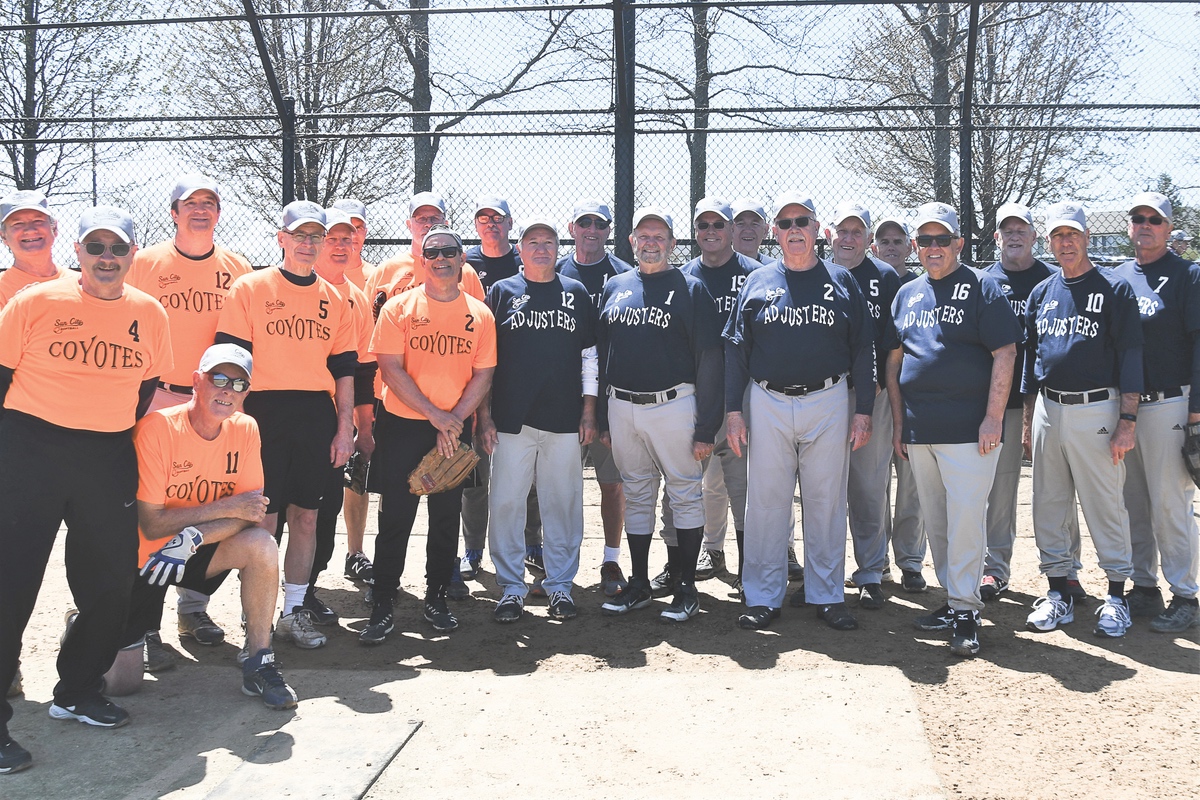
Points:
(645, 398)
(799, 391)
(1165, 394)
(170, 387)
(1077, 398)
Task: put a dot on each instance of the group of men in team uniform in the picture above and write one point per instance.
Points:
(223, 406)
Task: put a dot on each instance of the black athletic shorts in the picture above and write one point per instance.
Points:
(146, 603)
(297, 429)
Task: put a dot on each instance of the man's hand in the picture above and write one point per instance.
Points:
(250, 506)
(735, 432)
(166, 565)
(989, 435)
(606, 439)
(587, 428)
(898, 446)
(1122, 440)
(341, 448)
(860, 431)
(701, 450)
(364, 443)
(486, 435)
(446, 422)
(447, 444)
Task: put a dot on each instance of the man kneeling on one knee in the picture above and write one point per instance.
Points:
(200, 508)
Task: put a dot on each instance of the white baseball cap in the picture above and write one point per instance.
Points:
(226, 353)
(24, 200)
(107, 218)
(743, 204)
(1013, 211)
(351, 206)
(491, 202)
(591, 208)
(1066, 215)
(940, 213)
(337, 216)
(1156, 200)
(653, 212)
(794, 197)
(845, 210)
(716, 205)
(422, 199)
(897, 221)
(533, 223)
(189, 184)
(299, 212)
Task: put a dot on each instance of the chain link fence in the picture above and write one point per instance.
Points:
(890, 104)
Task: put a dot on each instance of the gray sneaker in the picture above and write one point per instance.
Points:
(1113, 618)
(1145, 601)
(198, 625)
(1179, 616)
(709, 563)
(297, 628)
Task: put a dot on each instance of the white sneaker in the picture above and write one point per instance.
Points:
(1050, 611)
(1113, 619)
(297, 628)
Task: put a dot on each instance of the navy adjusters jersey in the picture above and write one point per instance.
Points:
(723, 282)
(493, 269)
(1016, 287)
(593, 276)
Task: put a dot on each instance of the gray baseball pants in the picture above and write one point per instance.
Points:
(866, 494)
(906, 530)
(724, 491)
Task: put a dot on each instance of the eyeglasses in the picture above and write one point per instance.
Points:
(719, 225)
(597, 222)
(784, 223)
(942, 239)
(430, 253)
(221, 381)
(495, 219)
(1142, 219)
(118, 250)
(307, 238)
(430, 221)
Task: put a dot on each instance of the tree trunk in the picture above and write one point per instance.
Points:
(698, 141)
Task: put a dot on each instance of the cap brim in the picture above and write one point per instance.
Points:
(120, 233)
(303, 221)
(35, 207)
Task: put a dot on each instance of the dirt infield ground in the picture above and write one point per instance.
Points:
(601, 707)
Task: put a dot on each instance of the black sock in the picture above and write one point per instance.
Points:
(674, 560)
(741, 543)
(690, 542)
(1059, 585)
(1116, 588)
(639, 555)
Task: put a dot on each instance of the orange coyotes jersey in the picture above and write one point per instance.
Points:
(79, 361)
(441, 343)
(358, 275)
(360, 309)
(400, 273)
(193, 291)
(14, 280)
(179, 469)
(293, 329)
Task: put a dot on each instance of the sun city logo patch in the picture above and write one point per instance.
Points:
(275, 305)
(177, 467)
(622, 295)
(519, 301)
(915, 299)
(166, 280)
(61, 326)
(419, 322)
(775, 294)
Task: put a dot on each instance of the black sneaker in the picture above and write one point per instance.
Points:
(795, 570)
(97, 710)
(965, 640)
(1145, 602)
(562, 606)
(1183, 613)
(636, 594)
(709, 563)
(261, 678)
(359, 568)
(13, 757)
(199, 625)
(322, 614)
(509, 609)
(870, 596)
(533, 560)
(1077, 593)
(156, 657)
(684, 606)
(992, 587)
(756, 618)
(437, 614)
(797, 599)
(912, 581)
(837, 616)
(663, 583)
(940, 620)
(381, 623)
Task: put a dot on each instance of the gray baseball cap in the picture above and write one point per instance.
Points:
(533, 223)
(107, 218)
(1156, 200)
(744, 204)
(1180, 236)
(1013, 211)
(337, 216)
(897, 221)
(189, 184)
(422, 199)
(227, 353)
(491, 202)
(794, 198)
(591, 208)
(442, 230)
(653, 212)
(1066, 215)
(940, 213)
(351, 206)
(848, 209)
(24, 200)
(716, 205)
(299, 212)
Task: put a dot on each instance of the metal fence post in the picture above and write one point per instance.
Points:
(289, 149)
(966, 133)
(624, 43)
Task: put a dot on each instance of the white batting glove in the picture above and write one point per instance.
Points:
(166, 566)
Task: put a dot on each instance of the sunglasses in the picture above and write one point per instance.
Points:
(430, 253)
(719, 225)
(783, 223)
(1142, 219)
(596, 222)
(942, 240)
(495, 219)
(119, 250)
(220, 381)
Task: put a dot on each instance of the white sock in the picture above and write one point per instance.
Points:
(293, 596)
(612, 554)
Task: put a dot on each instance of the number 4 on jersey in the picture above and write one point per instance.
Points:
(133, 331)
